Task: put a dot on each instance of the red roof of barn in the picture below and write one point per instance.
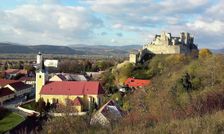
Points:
(4, 82)
(131, 82)
(72, 88)
(5, 92)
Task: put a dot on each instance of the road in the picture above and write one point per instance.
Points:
(11, 105)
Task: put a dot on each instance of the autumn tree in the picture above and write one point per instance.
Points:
(122, 72)
(41, 105)
(204, 53)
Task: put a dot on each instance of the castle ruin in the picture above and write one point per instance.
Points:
(165, 44)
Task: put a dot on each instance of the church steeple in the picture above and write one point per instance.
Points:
(40, 62)
(40, 76)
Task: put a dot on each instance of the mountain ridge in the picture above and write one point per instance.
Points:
(78, 49)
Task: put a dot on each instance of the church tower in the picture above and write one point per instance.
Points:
(40, 76)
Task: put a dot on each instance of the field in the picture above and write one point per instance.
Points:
(10, 121)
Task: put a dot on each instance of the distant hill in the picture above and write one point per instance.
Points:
(49, 49)
(14, 48)
(78, 49)
(54, 49)
(105, 50)
(220, 51)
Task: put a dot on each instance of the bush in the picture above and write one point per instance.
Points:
(3, 112)
(205, 53)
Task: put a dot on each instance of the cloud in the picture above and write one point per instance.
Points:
(113, 41)
(49, 22)
(147, 12)
(203, 18)
(118, 26)
(103, 33)
(119, 34)
(212, 26)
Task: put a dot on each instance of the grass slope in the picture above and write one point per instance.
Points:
(10, 121)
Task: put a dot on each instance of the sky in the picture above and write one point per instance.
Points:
(110, 22)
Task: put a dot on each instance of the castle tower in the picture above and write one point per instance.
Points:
(187, 38)
(40, 76)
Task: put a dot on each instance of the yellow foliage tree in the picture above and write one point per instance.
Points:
(205, 53)
(122, 72)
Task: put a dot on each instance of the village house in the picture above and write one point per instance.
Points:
(94, 75)
(68, 77)
(107, 114)
(6, 94)
(12, 73)
(28, 80)
(58, 77)
(4, 82)
(76, 77)
(19, 88)
(9, 89)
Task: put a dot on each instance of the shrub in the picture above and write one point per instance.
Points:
(205, 53)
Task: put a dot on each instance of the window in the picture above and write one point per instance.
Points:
(99, 100)
(39, 76)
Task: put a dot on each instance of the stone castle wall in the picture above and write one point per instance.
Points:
(132, 58)
(184, 49)
(164, 49)
(166, 44)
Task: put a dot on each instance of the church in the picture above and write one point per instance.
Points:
(79, 94)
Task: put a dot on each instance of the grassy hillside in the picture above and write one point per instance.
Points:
(186, 96)
(167, 106)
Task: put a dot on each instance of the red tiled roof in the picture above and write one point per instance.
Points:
(11, 71)
(16, 71)
(77, 101)
(19, 85)
(23, 71)
(24, 78)
(131, 82)
(4, 82)
(72, 88)
(5, 92)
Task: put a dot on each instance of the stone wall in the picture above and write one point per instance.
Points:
(132, 58)
(166, 44)
(164, 49)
